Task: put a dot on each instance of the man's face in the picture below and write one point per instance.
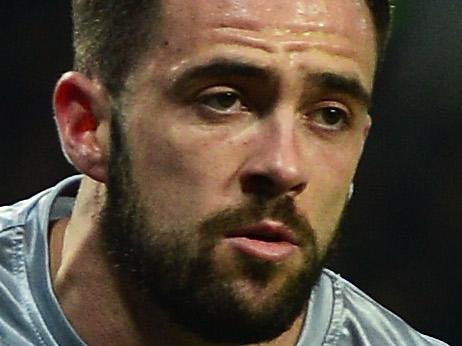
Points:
(241, 134)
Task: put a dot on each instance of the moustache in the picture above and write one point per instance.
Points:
(282, 210)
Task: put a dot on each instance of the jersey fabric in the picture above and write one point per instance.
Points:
(338, 312)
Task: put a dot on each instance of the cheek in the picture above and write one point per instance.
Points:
(186, 168)
(332, 171)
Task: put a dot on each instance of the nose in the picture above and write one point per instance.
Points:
(275, 164)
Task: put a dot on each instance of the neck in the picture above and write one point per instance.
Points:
(99, 306)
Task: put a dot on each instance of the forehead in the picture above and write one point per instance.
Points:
(307, 34)
(350, 17)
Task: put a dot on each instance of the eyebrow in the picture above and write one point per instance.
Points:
(341, 84)
(220, 68)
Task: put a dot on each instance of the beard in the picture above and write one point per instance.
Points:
(174, 266)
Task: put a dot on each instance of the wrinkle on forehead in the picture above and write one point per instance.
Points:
(285, 41)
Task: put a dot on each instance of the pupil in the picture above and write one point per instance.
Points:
(226, 100)
(331, 116)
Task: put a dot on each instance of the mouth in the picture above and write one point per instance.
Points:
(267, 240)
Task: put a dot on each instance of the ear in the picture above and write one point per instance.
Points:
(82, 112)
(367, 127)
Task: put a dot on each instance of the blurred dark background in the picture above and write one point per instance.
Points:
(403, 230)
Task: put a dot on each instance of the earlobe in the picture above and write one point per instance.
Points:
(82, 113)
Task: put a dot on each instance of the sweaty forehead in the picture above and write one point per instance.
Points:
(346, 17)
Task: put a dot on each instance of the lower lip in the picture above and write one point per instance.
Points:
(264, 250)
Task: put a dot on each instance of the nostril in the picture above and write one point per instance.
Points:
(297, 189)
(259, 185)
(265, 187)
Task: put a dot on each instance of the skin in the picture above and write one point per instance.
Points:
(193, 155)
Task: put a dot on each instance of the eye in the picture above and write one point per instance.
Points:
(330, 117)
(222, 101)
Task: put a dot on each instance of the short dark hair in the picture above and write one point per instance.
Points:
(110, 36)
(382, 14)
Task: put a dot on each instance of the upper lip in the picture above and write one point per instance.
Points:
(266, 230)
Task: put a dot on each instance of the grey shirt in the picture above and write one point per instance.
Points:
(338, 313)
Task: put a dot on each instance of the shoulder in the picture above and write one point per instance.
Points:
(13, 224)
(13, 216)
(23, 268)
(360, 320)
(13, 277)
(35, 208)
